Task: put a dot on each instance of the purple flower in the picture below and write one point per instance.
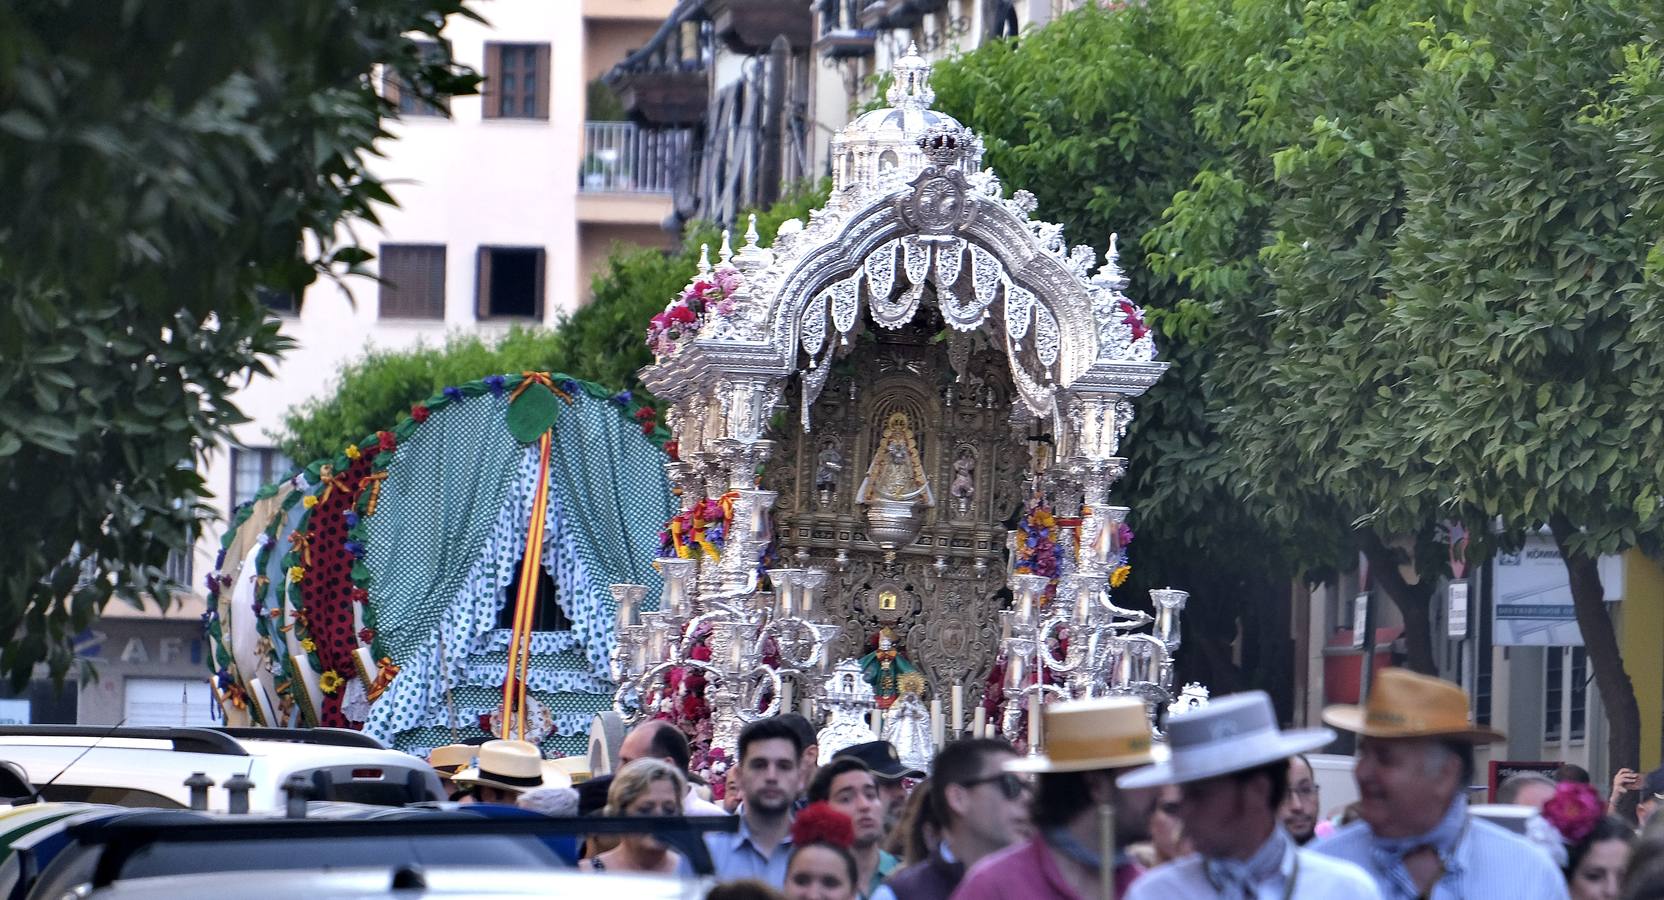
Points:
(350, 517)
(622, 398)
(569, 385)
(495, 383)
(213, 581)
(355, 548)
(455, 393)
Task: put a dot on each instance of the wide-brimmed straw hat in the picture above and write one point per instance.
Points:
(512, 766)
(1087, 735)
(1230, 734)
(450, 759)
(1404, 704)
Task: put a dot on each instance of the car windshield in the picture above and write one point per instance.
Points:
(192, 857)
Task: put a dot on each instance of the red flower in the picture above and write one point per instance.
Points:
(647, 428)
(359, 595)
(386, 440)
(680, 314)
(645, 413)
(367, 635)
(701, 653)
(419, 413)
(673, 449)
(1574, 810)
(819, 823)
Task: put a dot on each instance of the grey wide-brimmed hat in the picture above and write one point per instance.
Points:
(1230, 734)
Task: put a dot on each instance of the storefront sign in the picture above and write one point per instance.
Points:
(1534, 598)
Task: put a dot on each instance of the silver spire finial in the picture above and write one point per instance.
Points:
(704, 259)
(1110, 274)
(751, 232)
(727, 252)
(910, 81)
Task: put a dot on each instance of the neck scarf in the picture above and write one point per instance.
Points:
(1239, 878)
(1389, 853)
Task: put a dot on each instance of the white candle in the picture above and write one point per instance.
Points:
(956, 725)
(807, 708)
(785, 696)
(936, 721)
(1033, 722)
(979, 726)
(878, 722)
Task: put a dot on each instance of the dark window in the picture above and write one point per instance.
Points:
(253, 468)
(510, 282)
(1554, 669)
(1580, 694)
(396, 91)
(547, 617)
(516, 81)
(281, 302)
(413, 281)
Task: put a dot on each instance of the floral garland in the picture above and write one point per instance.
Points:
(703, 528)
(1133, 318)
(1038, 552)
(711, 292)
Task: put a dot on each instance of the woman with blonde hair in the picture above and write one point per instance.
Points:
(645, 787)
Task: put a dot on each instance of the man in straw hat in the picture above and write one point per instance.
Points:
(507, 769)
(1087, 744)
(1230, 763)
(448, 760)
(1414, 835)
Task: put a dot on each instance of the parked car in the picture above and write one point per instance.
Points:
(148, 767)
(350, 884)
(137, 853)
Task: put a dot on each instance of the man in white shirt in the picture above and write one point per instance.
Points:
(659, 739)
(1230, 763)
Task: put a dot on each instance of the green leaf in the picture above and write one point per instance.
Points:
(532, 413)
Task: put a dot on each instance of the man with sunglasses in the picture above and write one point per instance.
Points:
(1087, 743)
(982, 809)
(1230, 763)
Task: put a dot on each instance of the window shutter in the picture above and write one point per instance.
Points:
(541, 255)
(493, 69)
(543, 81)
(482, 282)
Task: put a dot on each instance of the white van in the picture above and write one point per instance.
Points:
(148, 767)
(1336, 788)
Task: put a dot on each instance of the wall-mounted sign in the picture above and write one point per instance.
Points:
(1360, 620)
(1457, 623)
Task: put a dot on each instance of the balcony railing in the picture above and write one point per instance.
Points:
(621, 157)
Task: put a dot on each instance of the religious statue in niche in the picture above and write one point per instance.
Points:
(884, 667)
(963, 488)
(907, 727)
(895, 489)
(828, 464)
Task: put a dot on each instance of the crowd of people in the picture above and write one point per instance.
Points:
(1227, 805)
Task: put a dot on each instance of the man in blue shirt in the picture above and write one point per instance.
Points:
(769, 754)
(1414, 835)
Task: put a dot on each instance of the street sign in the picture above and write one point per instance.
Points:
(1457, 623)
(1360, 620)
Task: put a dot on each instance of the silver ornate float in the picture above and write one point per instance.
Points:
(896, 380)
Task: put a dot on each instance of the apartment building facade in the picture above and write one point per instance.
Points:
(506, 206)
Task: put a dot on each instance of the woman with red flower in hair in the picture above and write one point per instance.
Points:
(821, 867)
(1597, 845)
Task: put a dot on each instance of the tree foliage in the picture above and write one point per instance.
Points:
(162, 160)
(602, 341)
